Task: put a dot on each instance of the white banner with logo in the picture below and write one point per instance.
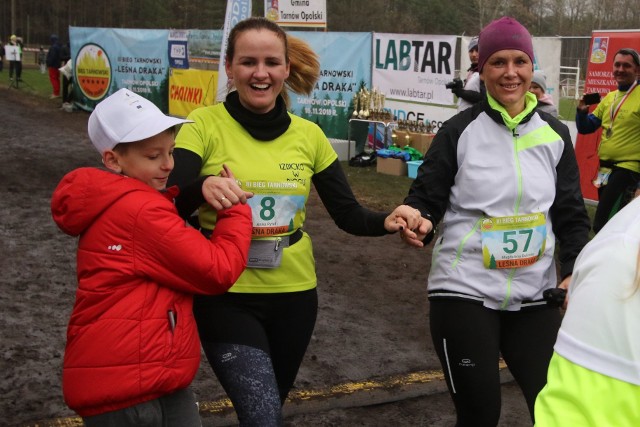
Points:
(307, 13)
(414, 68)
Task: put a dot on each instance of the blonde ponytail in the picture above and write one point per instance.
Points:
(304, 68)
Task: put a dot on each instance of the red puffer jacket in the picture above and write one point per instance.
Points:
(138, 265)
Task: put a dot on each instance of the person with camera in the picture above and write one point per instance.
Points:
(619, 148)
(472, 89)
(502, 177)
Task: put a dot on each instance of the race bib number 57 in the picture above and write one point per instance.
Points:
(513, 241)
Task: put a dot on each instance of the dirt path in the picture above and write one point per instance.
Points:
(373, 316)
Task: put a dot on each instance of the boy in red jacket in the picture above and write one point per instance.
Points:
(132, 344)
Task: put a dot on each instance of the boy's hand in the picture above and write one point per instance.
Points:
(223, 191)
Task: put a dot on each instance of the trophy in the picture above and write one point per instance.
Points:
(356, 97)
(374, 104)
(394, 139)
(364, 104)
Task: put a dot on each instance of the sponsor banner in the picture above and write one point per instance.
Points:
(431, 115)
(204, 46)
(345, 60)
(190, 89)
(178, 56)
(414, 68)
(297, 13)
(109, 59)
(599, 78)
(237, 10)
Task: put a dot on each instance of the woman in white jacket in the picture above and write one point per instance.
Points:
(503, 179)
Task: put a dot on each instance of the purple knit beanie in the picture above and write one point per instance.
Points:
(501, 34)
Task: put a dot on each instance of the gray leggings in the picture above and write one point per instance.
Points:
(246, 373)
(255, 344)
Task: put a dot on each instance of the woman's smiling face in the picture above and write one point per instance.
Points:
(507, 77)
(258, 69)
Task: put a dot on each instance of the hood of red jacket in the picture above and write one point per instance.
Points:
(85, 193)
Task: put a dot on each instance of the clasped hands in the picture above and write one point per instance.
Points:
(409, 222)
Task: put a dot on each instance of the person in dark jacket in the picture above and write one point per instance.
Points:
(1, 56)
(54, 62)
(471, 90)
(132, 343)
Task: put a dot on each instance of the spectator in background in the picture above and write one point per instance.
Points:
(15, 60)
(472, 89)
(42, 60)
(65, 53)
(617, 115)
(54, 62)
(66, 71)
(539, 89)
(1, 56)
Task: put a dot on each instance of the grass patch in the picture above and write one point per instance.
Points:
(34, 82)
(567, 109)
(376, 190)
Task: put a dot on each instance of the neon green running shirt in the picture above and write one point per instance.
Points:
(278, 172)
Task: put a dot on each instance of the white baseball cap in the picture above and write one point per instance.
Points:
(126, 117)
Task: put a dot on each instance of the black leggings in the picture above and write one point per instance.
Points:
(255, 344)
(615, 195)
(469, 338)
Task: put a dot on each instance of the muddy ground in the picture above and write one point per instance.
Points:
(372, 322)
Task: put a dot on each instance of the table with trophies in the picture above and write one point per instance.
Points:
(368, 107)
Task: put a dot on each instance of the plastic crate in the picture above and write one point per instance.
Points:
(412, 168)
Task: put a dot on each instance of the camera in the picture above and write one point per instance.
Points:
(554, 297)
(455, 84)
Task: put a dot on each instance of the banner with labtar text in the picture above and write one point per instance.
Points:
(191, 89)
(109, 59)
(345, 60)
(237, 10)
(414, 68)
(599, 78)
(307, 13)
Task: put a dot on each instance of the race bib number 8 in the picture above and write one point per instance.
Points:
(513, 241)
(275, 214)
